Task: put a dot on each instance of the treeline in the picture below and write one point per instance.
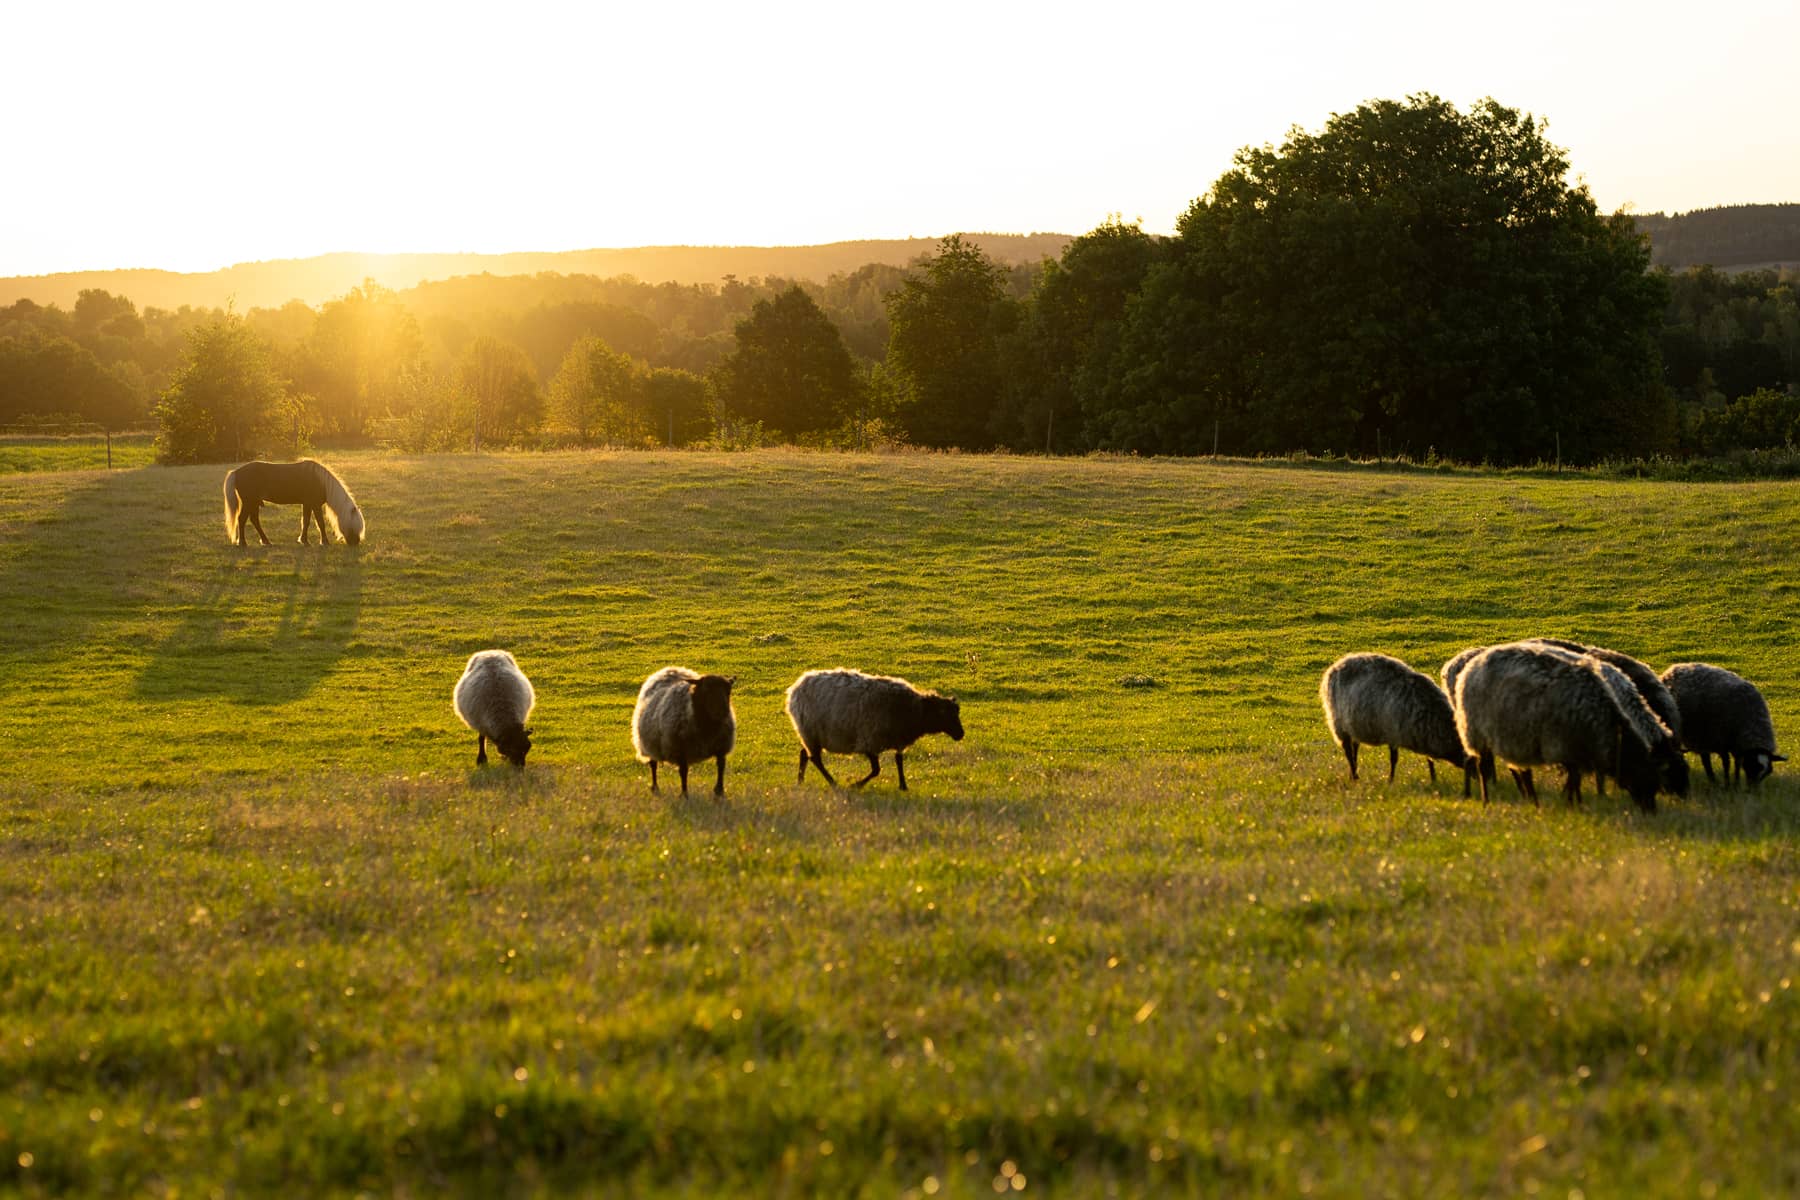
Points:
(1735, 235)
(1412, 279)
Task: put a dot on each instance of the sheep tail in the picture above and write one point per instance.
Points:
(233, 502)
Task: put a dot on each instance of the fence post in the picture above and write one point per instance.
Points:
(108, 449)
(1215, 452)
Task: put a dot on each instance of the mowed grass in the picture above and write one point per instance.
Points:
(269, 931)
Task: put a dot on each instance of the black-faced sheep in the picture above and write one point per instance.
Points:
(494, 698)
(684, 718)
(1533, 705)
(848, 712)
(1375, 700)
(1723, 713)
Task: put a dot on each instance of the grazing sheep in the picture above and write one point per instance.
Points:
(1671, 765)
(1723, 713)
(1533, 705)
(684, 718)
(494, 698)
(848, 712)
(1372, 699)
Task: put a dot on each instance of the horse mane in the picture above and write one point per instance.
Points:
(338, 499)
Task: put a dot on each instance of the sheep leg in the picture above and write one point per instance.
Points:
(874, 770)
(1393, 761)
(1350, 755)
(481, 749)
(1431, 769)
(719, 783)
(801, 778)
(1484, 769)
(1525, 783)
(1706, 764)
(653, 786)
(256, 520)
(682, 767)
(1600, 784)
(1571, 787)
(900, 766)
(818, 760)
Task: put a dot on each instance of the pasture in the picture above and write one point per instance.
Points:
(268, 930)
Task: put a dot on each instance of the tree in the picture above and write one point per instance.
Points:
(676, 403)
(359, 349)
(1063, 347)
(945, 327)
(789, 369)
(222, 397)
(596, 393)
(499, 385)
(1413, 271)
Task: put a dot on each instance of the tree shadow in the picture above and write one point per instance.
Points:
(267, 627)
(50, 589)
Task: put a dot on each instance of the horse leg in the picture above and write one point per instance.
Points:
(256, 520)
(306, 513)
(481, 749)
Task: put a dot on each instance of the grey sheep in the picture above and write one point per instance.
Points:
(1671, 766)
(1723, 713)
(684, 718)
(494, 698)
(1375, 700)
(1533, 705)
(848, 712)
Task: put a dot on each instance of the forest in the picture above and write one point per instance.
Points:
(1413, 279)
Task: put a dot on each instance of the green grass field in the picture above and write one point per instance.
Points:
(271, 932)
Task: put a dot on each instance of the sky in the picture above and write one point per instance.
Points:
(190, 136)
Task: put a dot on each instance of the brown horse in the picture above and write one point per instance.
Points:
(306, 483)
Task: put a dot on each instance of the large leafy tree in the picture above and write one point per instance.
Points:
(789, 369)
(360, 349)
(946, 326)
(596, 393)
(223, 398)
(499, 385)
(1411, 269)
(1071, 327)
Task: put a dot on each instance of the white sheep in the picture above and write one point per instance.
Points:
(683, 718)
(1535, 705)
(848, 712)
(1376, 700)
(494, 698)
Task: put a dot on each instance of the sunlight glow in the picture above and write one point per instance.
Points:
(198, 135)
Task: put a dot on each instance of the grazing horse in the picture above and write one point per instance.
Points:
(306, 483)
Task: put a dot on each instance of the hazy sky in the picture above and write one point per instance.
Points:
(191, 136)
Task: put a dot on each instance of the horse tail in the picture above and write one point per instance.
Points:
(232, 504)
(344, 512)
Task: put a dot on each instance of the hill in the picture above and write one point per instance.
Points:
(269, 932)
(315, 280)
(1738, 236)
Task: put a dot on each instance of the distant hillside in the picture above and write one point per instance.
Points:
(1742, 235)
(315, 280)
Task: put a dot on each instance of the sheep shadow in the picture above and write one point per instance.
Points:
(260, 634)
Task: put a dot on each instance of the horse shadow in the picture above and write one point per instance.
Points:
(266, 628)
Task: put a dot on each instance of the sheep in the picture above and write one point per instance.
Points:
(1534, 705)
(1376, 700)
(1671, 766)
(494, 698)
(848, 712)
(1723, 712)
(684, 718)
